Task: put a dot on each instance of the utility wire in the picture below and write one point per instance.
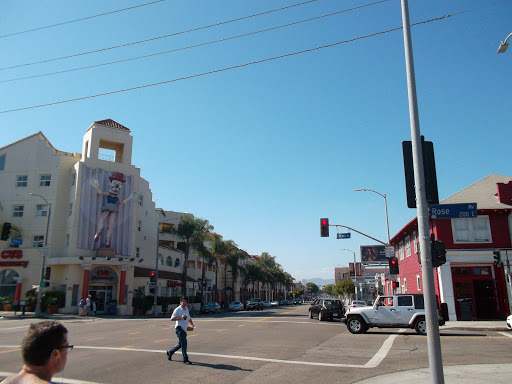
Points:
(158, 37)
(192, 46)
(222, 69)
(81, 19)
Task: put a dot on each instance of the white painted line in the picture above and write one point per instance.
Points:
(506, 334)
(382, 352)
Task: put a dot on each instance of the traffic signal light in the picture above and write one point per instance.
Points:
(393, 266)
(47, 273)
(396, 284)
(438, 253)
(6, 230)
(152, 277)
(324, 227)
(497, 258)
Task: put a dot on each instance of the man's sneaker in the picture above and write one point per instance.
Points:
(169, 356)
(187, 362)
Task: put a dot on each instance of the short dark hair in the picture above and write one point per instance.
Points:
(41, 340)
(183, 299)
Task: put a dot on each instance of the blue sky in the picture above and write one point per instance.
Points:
(264, 151)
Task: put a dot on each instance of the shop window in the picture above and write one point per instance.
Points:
(44, 180)
(21, 181)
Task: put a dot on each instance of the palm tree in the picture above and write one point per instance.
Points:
(220, 248)
(252, 275)
(266, 263)
(233, 260)
(192, 231)
(207, 259)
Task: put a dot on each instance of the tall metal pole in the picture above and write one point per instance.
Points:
(37, 312)
(433, 337)
(155, 293)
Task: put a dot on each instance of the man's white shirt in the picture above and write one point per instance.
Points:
(178, 312)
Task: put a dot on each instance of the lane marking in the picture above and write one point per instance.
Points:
(97, 338)
(262, 319)
(285, 313)
(195, 334)
(160, 341)
(128, 346)
(221, 330)
(241, 325)
(134, 333)
(167, 328)
(506, 334)
(382, 352)
(11, 350)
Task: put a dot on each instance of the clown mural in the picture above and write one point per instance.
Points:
(110, 208)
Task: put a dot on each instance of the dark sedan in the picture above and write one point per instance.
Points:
(327, 309)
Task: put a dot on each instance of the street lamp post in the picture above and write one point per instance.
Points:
(355, 269)
(504, 45)
(45, 250)
(385, 204)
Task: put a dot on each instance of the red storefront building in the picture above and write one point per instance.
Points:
(470, 282)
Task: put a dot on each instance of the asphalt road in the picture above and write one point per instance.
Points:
(278, 345)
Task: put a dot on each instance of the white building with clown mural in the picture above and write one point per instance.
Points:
(89, 217)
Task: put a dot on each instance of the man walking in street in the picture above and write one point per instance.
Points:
(182, 317)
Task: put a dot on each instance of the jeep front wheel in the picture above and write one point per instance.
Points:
(420, 326)
(356, 324)
(320, 316)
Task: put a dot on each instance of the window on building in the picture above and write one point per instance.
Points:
(17, 211)
(139, 226)
(415, 242)
(107, 154)
(38, 241)
(67, 240)
(407, 246)
(177, 263)
(141, 200)
(168, 261)
(73, 178)
(160, 259)
(166, 228)
(418, 282)
(471, 230)
(164, 291)
(70, 209)
(404, 285)
(2, 162)
(401, 250)
(137, 251)
(41, 210)
(21, 181)
(44, 180)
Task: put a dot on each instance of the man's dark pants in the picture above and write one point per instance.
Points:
(182, 343)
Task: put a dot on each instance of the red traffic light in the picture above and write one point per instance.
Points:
(152, 274)
(393, 262)
(324, 222)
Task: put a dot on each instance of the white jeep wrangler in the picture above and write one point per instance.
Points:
(390, 311)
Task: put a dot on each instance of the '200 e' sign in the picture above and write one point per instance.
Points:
(453, 211)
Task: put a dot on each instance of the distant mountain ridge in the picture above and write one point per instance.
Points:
(318, 281)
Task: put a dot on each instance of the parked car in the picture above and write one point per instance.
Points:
(297, 302)
(211, 307)
(274, 303)
(266, 303)
(254, 303)
(391, 311)
(236, 306)
(509, 322)
(357, 303)
(327, 309)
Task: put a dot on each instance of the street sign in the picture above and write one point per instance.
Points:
(16, 241)
(45, 251)
(452, 211)
(390, 251)
(343, 235)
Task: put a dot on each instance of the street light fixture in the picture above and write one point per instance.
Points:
(385, 204)
(45, 251)
(504, 45)
(355, 269)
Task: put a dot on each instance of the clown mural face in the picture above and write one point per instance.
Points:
(111, 205)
